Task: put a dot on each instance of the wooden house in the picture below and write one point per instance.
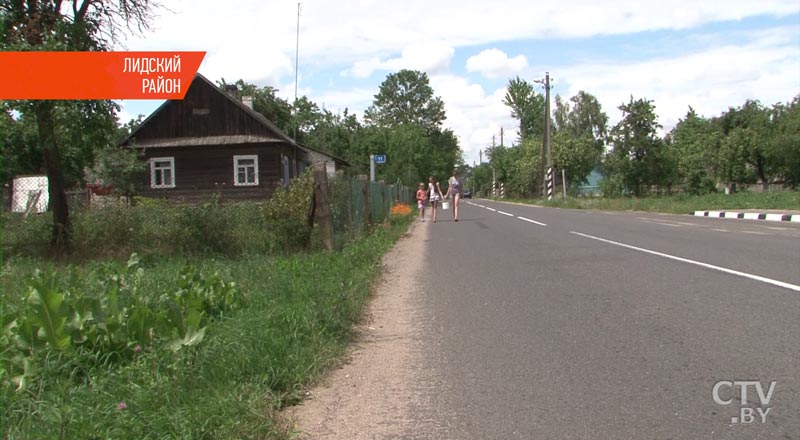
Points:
(211, 142)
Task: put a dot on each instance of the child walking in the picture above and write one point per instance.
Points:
(434, 195)
(422, 197)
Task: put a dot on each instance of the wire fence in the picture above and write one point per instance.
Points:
(112, 225)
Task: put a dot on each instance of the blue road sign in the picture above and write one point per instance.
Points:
(380, 158)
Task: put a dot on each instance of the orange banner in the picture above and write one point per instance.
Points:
(97, 75)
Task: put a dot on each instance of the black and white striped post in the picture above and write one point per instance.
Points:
(494, 188)
(550, 183)
(502, 191)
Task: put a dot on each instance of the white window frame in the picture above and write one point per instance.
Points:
(236, 159)
(154, 170)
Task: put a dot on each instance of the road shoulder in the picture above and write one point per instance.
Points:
(374, 393)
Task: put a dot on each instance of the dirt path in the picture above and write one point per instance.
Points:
(382, 390)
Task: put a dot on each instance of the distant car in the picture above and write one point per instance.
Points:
(467, 194)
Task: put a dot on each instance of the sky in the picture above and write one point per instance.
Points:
(707, 54)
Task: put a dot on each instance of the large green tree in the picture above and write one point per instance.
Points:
(406, 119)
(749, 133)
(580, 135)
(785, 145)
(406, 97)
(637, 160)
(56, 25)
(694, 146)
(527, 107)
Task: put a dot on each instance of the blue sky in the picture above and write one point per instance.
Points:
(708, 54)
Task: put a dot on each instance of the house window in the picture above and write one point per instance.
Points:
(162, 172)
(245, 170)
(285, 167)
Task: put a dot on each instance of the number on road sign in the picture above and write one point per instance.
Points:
(380, 158)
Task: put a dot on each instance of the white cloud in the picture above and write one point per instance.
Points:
(354, 100)
(710, 81)
(431, 57)
(494, 63)
(473, 115)
(344, 33)
(267, 65)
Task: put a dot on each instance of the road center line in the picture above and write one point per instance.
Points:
(697, 263)
(491, 209)
(505, 213)
(531, 221)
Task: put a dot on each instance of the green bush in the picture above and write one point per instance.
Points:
(286, 213)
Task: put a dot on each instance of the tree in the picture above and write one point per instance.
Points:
(406, 97)
(637, 159)
(55, 25)
(265, 101)
(122, 169)
(694, 145)
(580, 135)
(748, 134)
(526, 106)
(337, 133)
(785, 146)
(406, 119)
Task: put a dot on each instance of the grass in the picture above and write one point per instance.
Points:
(678, 204)
(298, 319)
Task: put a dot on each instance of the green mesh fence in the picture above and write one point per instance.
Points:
(357, 204)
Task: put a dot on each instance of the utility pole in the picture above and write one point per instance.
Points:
(296, 68)
(501, 136)
(480, 157)
(547, 160)
(547, 119)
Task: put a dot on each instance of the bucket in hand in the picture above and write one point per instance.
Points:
(445, 205)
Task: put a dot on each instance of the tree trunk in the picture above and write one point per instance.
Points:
(55, 175)
(762, 174)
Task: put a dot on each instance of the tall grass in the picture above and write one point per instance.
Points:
(300, 309)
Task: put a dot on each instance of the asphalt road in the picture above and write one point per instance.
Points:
(591, 325)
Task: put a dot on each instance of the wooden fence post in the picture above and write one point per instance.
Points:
(322, 204)
(384, 211)
(367, 210)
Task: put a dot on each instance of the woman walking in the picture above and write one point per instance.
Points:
(434, 195)
(454, 190)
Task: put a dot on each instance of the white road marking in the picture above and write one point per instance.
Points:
(697, 263)
(491, 209)
(505, 213)
(720, 230)
(647, 220)
(531, 221)
(755, 232)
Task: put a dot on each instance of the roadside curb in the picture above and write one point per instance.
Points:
(775, 217)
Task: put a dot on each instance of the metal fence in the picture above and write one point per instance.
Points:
(358, 204)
